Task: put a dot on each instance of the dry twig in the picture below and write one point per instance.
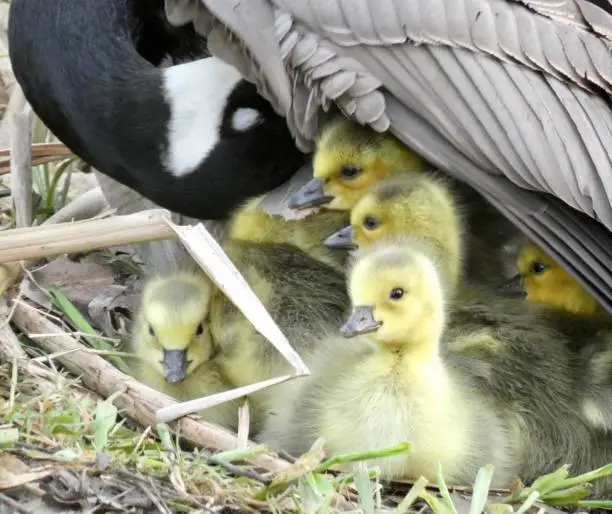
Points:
(80, 236)
(41, 153)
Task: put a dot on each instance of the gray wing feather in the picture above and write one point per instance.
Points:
(511, 97)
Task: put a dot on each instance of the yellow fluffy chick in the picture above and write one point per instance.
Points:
(435, 206)
(393, 386)
(304, 296)
(409, 204)
(348, 161)
(467, 384)
(251, 223)
(542, 280)
(173, 343)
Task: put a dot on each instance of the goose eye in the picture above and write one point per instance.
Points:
(151, 331)
(350, 171)
(538, 267)
(199, 330)
(396, 293)
(370, 222)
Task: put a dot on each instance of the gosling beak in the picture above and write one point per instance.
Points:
(310, 194)
(175, 365)
(360, 321)
(343, 238)
(513, 288)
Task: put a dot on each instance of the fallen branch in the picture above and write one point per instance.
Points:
(138, 401)
(48, 240)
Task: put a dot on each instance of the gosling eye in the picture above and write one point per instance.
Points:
(350, 171)
(538, 267)
(200, 330)
(370, 222)
(151, 331)
(396, 293)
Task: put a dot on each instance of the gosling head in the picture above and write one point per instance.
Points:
(407, 204)
(173, 329)
(542, 280)
(349, 160)
(397, 295)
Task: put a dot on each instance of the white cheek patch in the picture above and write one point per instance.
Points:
(246, 118)
(197, 94)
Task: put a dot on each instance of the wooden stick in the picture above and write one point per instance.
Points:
(81, 236)
(42, 149)
(36, 161)
(138, 401)
(21, 169)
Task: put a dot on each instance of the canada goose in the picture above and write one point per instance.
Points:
(542, 280)
(348, 161)
(304, 296)
(192, 137)
(467, 384)
(407, 203)
(429, 205)
(251, 223)
(174, 346)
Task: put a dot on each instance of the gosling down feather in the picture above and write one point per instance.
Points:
(467, 385)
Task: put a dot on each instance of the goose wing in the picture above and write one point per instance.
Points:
(514, 98)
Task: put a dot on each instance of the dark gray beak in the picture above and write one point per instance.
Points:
(341, 239)
(360, 321)
(513, 288)
(175, 365)
(309, 195)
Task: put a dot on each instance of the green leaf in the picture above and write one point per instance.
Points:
(105, 417)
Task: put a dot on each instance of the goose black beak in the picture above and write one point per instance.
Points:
(311, 194)
(360, 321)
(513, 288)
(175, 365)
(343, 238)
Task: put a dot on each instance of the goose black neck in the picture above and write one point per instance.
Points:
(89, 70)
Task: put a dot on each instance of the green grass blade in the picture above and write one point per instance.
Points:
(359, 456)
(78, 321)
(482, 485)
(364, 486)
(446, 497)
(105, 417)
(415, 491)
